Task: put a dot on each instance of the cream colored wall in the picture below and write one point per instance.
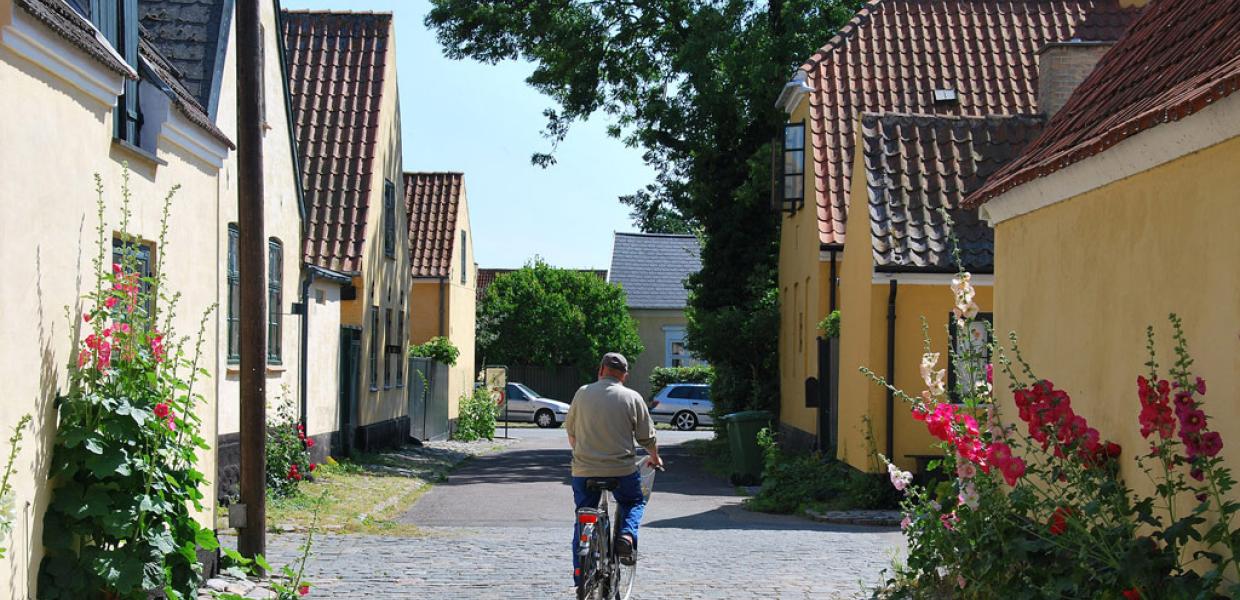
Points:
(650, 324)
(384, 281)
(462, 310)
(323, 360)
(1114, 260)
(55, 138)
(801, 304)
(282, 220)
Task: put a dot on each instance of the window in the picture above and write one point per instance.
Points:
(234, 297)
(135, 258)
(681, 391)
(374, 348)
(967, 370)
(464, 259)
(675, 348)
(399, 345)
(793, 167)
(389, 219)
(275, 281)
(387, 334)
(117, 20)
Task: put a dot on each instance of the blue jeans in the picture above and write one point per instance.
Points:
(628, 496)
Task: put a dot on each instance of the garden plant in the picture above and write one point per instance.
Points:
(124, 473)
(476, 421)
(440, 349)
(288, 451)
(7, 508)
(1036, 507)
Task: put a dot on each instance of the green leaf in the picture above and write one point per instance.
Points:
(112, 463)
(205, 538)
(261, 561)
(94, 445)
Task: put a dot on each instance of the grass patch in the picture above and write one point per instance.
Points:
(715, 453)
(366, 494)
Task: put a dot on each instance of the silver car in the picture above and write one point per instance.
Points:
(684, 405)
(525, 404)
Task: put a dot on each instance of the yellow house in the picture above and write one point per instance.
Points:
(1125, 211)
(442, 299)
(341, 70)
(929, 57)
(81, 98)
(652, 269)
(208, 58)
(898, 266)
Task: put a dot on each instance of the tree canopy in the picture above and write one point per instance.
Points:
(544, 316)
(693, 84)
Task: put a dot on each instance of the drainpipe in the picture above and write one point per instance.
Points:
(824, 367)
(891, 369)
(305, 345)
(832, 283)
(443, 298)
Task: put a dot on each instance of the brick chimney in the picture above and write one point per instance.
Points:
(1061, 67)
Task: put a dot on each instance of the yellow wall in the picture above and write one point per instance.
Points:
(424, 320)
(282, 220)
(650, 324)
(56, 136)
(804, 288)
(1110, 262)
(383, 282)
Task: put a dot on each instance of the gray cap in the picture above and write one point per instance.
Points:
(615, 360)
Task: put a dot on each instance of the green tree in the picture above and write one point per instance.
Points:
(692, 83)
(544, 316)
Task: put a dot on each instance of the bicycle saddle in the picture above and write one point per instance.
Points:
(605, 485)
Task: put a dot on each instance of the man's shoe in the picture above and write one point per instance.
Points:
(624, 550)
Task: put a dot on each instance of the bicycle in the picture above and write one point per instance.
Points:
(603, 576)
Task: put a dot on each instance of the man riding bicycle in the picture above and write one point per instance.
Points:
(603, 422)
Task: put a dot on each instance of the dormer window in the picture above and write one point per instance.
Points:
(793, 167)
(117, 20)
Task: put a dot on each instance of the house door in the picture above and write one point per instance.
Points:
(350, 380)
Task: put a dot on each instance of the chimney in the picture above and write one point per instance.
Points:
(1061, 67)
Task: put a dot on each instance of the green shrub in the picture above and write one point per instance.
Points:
(830, 325)
(476, 420)
(440, 349)
(662, 376)
(288, 451)
(792, 482)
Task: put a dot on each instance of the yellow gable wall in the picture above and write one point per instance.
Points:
(55, 138)
(803, 302)
(1080, 280)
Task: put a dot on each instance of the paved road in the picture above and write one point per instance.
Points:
(500, 528)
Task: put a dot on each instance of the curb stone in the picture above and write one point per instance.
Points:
(871, 518)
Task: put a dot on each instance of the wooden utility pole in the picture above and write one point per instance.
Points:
(251, 258)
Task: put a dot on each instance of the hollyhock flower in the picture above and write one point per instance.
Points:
(1197, 474)
(1131, 594)
(962, 289)
(990, 373)
(309, 442)
(899, 479)
(103, 359)
(313, 467)
(905, 523)
(157, 348)
(969, 496)
(1192, 420)
(960, 581)
(86, 317)
(1059, 521)
(1202, 497)
(966, 470)
(1201, 386)
(949, 520)
(935, 380)
(1013, 471)
(162, 410)
(172, 424)
(303, 590)
(1113, 450)
(1211, 443)
(110, 302)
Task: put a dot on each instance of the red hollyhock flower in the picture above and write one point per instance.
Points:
(303, 590)
(162, 410)
(110, 302)
(1192, 420)
(309, 442)
(1131, 594)
(1201, 386)
(313, 467)
(1059, 521)
(1211, 443)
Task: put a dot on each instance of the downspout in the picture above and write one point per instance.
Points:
(832, 283)
(824, 368)
(305, 346)
(891, 368)
(443, 309)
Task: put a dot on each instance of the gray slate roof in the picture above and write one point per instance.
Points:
(917, 165)
(193, 36)
(652, 268)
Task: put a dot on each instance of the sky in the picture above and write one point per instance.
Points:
(485, 121)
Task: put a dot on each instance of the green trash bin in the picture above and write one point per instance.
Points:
(743, 428)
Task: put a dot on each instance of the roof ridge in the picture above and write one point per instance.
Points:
(667, 235)
(307, 11)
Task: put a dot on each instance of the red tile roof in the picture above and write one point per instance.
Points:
(895, 53)
(433, 201)
(1180, 57)
(336, 63)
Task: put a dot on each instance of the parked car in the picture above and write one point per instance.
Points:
(524, 404)
(683, 405)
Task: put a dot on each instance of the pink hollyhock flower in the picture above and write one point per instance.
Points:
(1192, 420)
(157, 347)
(104, 358)
(110, 302)
(990, 373)
(83, 358)
(905, 523)
(962, 289)
(162, 410)
(966, 470)
(1211, 443)
(969, 496)
(1014, 470)
(1201, 386)
(949, 520)
(116, 268)
(172, 424)
(86, 317)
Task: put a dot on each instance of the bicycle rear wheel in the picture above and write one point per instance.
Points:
(624, 578)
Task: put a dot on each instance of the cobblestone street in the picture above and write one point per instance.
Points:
(499, 529)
